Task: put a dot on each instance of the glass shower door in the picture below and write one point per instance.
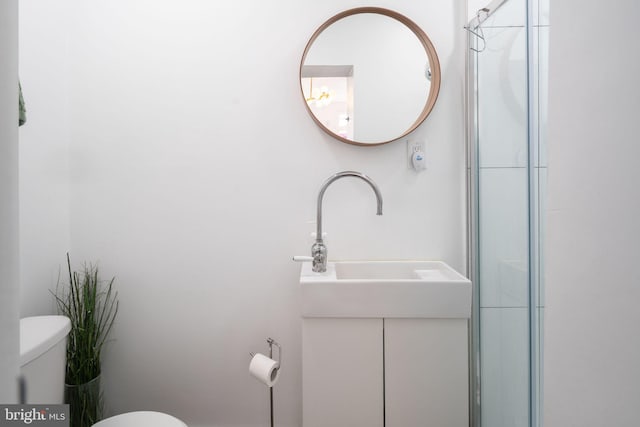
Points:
(506, 177)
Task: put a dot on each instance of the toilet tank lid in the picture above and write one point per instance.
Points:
(39, 333)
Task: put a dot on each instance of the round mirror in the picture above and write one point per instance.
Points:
(369, 76)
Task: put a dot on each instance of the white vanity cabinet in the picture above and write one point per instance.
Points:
(342, 372)
(385, 344)
(426, 372)
(389, 372)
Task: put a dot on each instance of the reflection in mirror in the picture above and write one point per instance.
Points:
(328, 91)
(378, 68)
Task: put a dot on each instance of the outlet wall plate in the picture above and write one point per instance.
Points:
(412, 147)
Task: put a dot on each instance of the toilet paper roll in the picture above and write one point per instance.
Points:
(264, 369)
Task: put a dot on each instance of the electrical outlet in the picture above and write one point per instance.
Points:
(412, 147)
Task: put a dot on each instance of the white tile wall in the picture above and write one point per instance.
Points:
(503, 237)
(502, 98)
(539, 360)
(504, 367)
(541, 12)
(504, 215)
(539, 222)
(542, 78)
(540, 93)
(510, 14)
(541, 100)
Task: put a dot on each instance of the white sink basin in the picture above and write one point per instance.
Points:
(410, 289)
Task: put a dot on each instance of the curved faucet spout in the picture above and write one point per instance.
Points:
(319, 250)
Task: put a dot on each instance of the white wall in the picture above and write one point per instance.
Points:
(592, 348)
(9, 349)
(44, 151)
(194, 171)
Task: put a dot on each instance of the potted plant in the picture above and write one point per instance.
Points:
(91, 304)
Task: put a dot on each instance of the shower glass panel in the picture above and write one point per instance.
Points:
(506, 81)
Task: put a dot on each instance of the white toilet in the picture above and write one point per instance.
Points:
(43, 356)
(140, 419)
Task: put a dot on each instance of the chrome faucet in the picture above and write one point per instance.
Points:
(319, 250)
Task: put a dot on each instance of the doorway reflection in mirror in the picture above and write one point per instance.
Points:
(330, 98)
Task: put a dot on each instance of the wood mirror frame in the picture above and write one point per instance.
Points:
(434, 66)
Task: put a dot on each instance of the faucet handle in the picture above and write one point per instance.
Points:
(302, 258)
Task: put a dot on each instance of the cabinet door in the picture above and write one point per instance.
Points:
(426, 372)
(342, 372)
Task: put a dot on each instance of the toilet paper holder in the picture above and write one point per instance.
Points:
(271, 343)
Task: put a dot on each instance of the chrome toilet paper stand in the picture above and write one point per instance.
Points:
(271, 343)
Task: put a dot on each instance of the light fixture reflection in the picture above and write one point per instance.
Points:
(321, 97)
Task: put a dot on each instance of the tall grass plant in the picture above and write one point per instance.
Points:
(92, 305)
